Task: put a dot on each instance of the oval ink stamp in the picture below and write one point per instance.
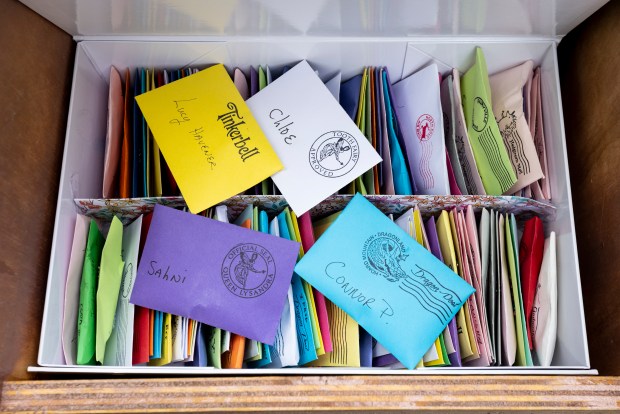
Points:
(127, 280)
(248, 270)
(334, 154)
(480, 116)
(424, 127)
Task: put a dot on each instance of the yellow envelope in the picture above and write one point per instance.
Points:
(166, 344)
(208, 136)
(345, 339)
(446, 245)
(418, 235)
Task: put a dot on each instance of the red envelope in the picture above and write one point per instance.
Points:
(530, 260)
(143, 322)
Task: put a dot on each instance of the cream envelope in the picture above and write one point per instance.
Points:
(507, 91)
(417, 103)
(463, 146)
(545, 314)
(322, 150)
(542, 189)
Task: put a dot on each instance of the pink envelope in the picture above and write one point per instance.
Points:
(114, 135)
(476, 319)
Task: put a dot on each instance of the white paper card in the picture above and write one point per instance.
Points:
(322, 150)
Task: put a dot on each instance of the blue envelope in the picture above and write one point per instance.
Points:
(350, 95)
(402, 184)
(392, 286)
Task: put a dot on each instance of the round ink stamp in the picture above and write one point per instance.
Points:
(480, 116)
(383, 254)
(248, 270)
(424, 127)
(334, 154)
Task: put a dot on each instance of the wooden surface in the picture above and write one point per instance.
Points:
(36, 71)
(589, 60)
(36, 64)
(338, 393)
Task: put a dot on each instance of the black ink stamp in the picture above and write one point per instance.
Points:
(334, 154)
(248, 270)
(480, 115)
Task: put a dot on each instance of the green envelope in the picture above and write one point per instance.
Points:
(214, 349)
(524, 356)
(88, 292)
(110, 276)
(486, 141)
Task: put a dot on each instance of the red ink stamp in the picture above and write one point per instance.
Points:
(425, 127)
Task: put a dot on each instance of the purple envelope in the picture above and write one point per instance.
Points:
(216, 273)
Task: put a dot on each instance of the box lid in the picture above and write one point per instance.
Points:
(321, 18)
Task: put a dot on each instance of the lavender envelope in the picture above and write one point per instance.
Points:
(216, 273)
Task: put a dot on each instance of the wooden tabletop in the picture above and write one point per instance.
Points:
(317, 393)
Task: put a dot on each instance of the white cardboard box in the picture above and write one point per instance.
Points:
(337, 36)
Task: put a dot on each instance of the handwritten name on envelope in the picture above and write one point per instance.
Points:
(208, 136)
(320, 146)
(216, 273)
(392, 286)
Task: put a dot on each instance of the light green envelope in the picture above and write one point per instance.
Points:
(110, 276)
(524, 356)
(490, 153)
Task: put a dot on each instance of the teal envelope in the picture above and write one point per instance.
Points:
(392, 286)
(307, 351)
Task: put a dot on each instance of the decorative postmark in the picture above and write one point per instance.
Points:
(424, 127)
(334, 154)
(248, 270)
(480, 115)
(385, 254)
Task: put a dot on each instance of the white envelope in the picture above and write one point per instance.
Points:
(320, 147)
(177, 338)
(417, 103)
(119, 347)
(334, 86)
(285, 344)
(544, 320)
(449, 124)
(221, 214)
(465, 152)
